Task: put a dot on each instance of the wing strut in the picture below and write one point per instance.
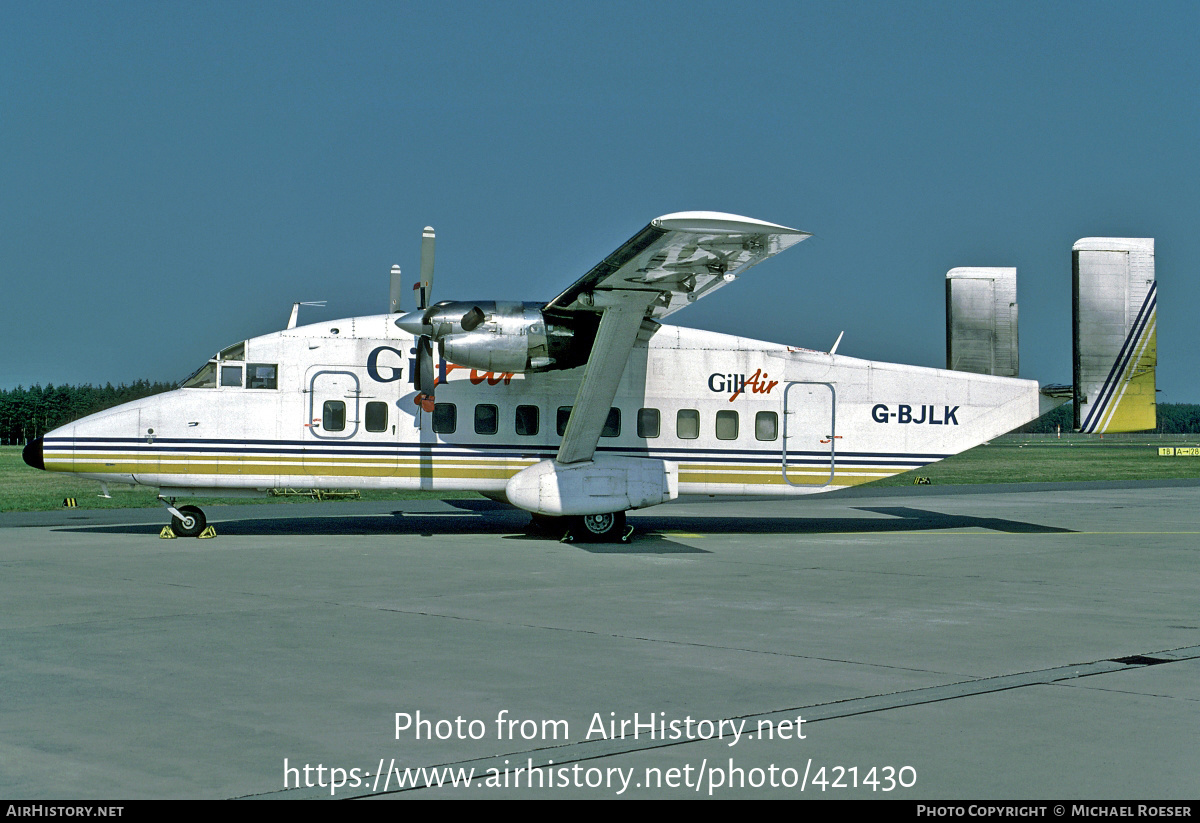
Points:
(619, 325)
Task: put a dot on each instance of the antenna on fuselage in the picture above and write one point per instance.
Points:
(296, 311)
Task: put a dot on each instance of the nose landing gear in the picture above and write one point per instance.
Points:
(186, 521)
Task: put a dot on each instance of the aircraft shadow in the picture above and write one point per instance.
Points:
(900, 519)
(652, 532)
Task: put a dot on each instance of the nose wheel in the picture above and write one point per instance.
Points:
(186, 521)
(191, 523)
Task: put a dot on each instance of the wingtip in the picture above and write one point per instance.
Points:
(719, 222)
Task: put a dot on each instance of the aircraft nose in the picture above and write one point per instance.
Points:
(32, 454)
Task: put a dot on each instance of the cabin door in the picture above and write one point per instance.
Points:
(331, 406)
(809, 433)
(349, 434)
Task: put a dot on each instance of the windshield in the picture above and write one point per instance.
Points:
(204, 377)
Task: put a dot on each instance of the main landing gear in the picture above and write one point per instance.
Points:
(186, 521)
(589, 528)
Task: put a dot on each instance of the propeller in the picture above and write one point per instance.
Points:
(425, 379)
(431, 322)
(394, 293)
(425, 284)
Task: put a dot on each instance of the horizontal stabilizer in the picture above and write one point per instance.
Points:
(1114, 300)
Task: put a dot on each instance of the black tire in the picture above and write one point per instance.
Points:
(598, 528)
(548, 524)
(192, 524)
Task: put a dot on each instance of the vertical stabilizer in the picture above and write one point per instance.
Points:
(981, 321)
(1113, 303)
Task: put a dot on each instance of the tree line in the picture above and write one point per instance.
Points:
(26, 414)
(1173, 418)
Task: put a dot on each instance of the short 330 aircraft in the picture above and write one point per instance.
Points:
(580, 408)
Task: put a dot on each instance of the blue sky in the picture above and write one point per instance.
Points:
(173, 176)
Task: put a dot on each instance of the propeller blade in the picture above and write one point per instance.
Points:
(395, 292)
(426, 280)
(425, 378)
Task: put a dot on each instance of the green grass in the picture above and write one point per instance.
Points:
(1010, 461)
(1005, 461)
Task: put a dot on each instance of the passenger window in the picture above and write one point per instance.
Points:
(333, 416)
(727, 425)
(377, 415)
(687, 424)
(527, 420)
(766, 426)
(487, 419)
(564, 414)
(612, 426)
(231, 376)
(445, 418)
(648, 423)
(262, 376)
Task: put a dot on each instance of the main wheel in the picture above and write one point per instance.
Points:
(548, 524)
(598, 528)
(192, 523)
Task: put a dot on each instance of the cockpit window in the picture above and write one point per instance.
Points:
(234, 352)
(262, 376)
(204, 377)
(231, 375)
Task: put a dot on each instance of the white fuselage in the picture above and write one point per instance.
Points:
(330, 405)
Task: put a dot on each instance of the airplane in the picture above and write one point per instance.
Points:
(587, 406)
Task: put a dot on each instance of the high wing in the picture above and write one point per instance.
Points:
(679, 258)
(671, 263)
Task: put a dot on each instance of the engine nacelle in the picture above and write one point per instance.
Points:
(495, 336)
(501, 336)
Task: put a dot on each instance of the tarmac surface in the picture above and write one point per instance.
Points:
(1012, 642)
